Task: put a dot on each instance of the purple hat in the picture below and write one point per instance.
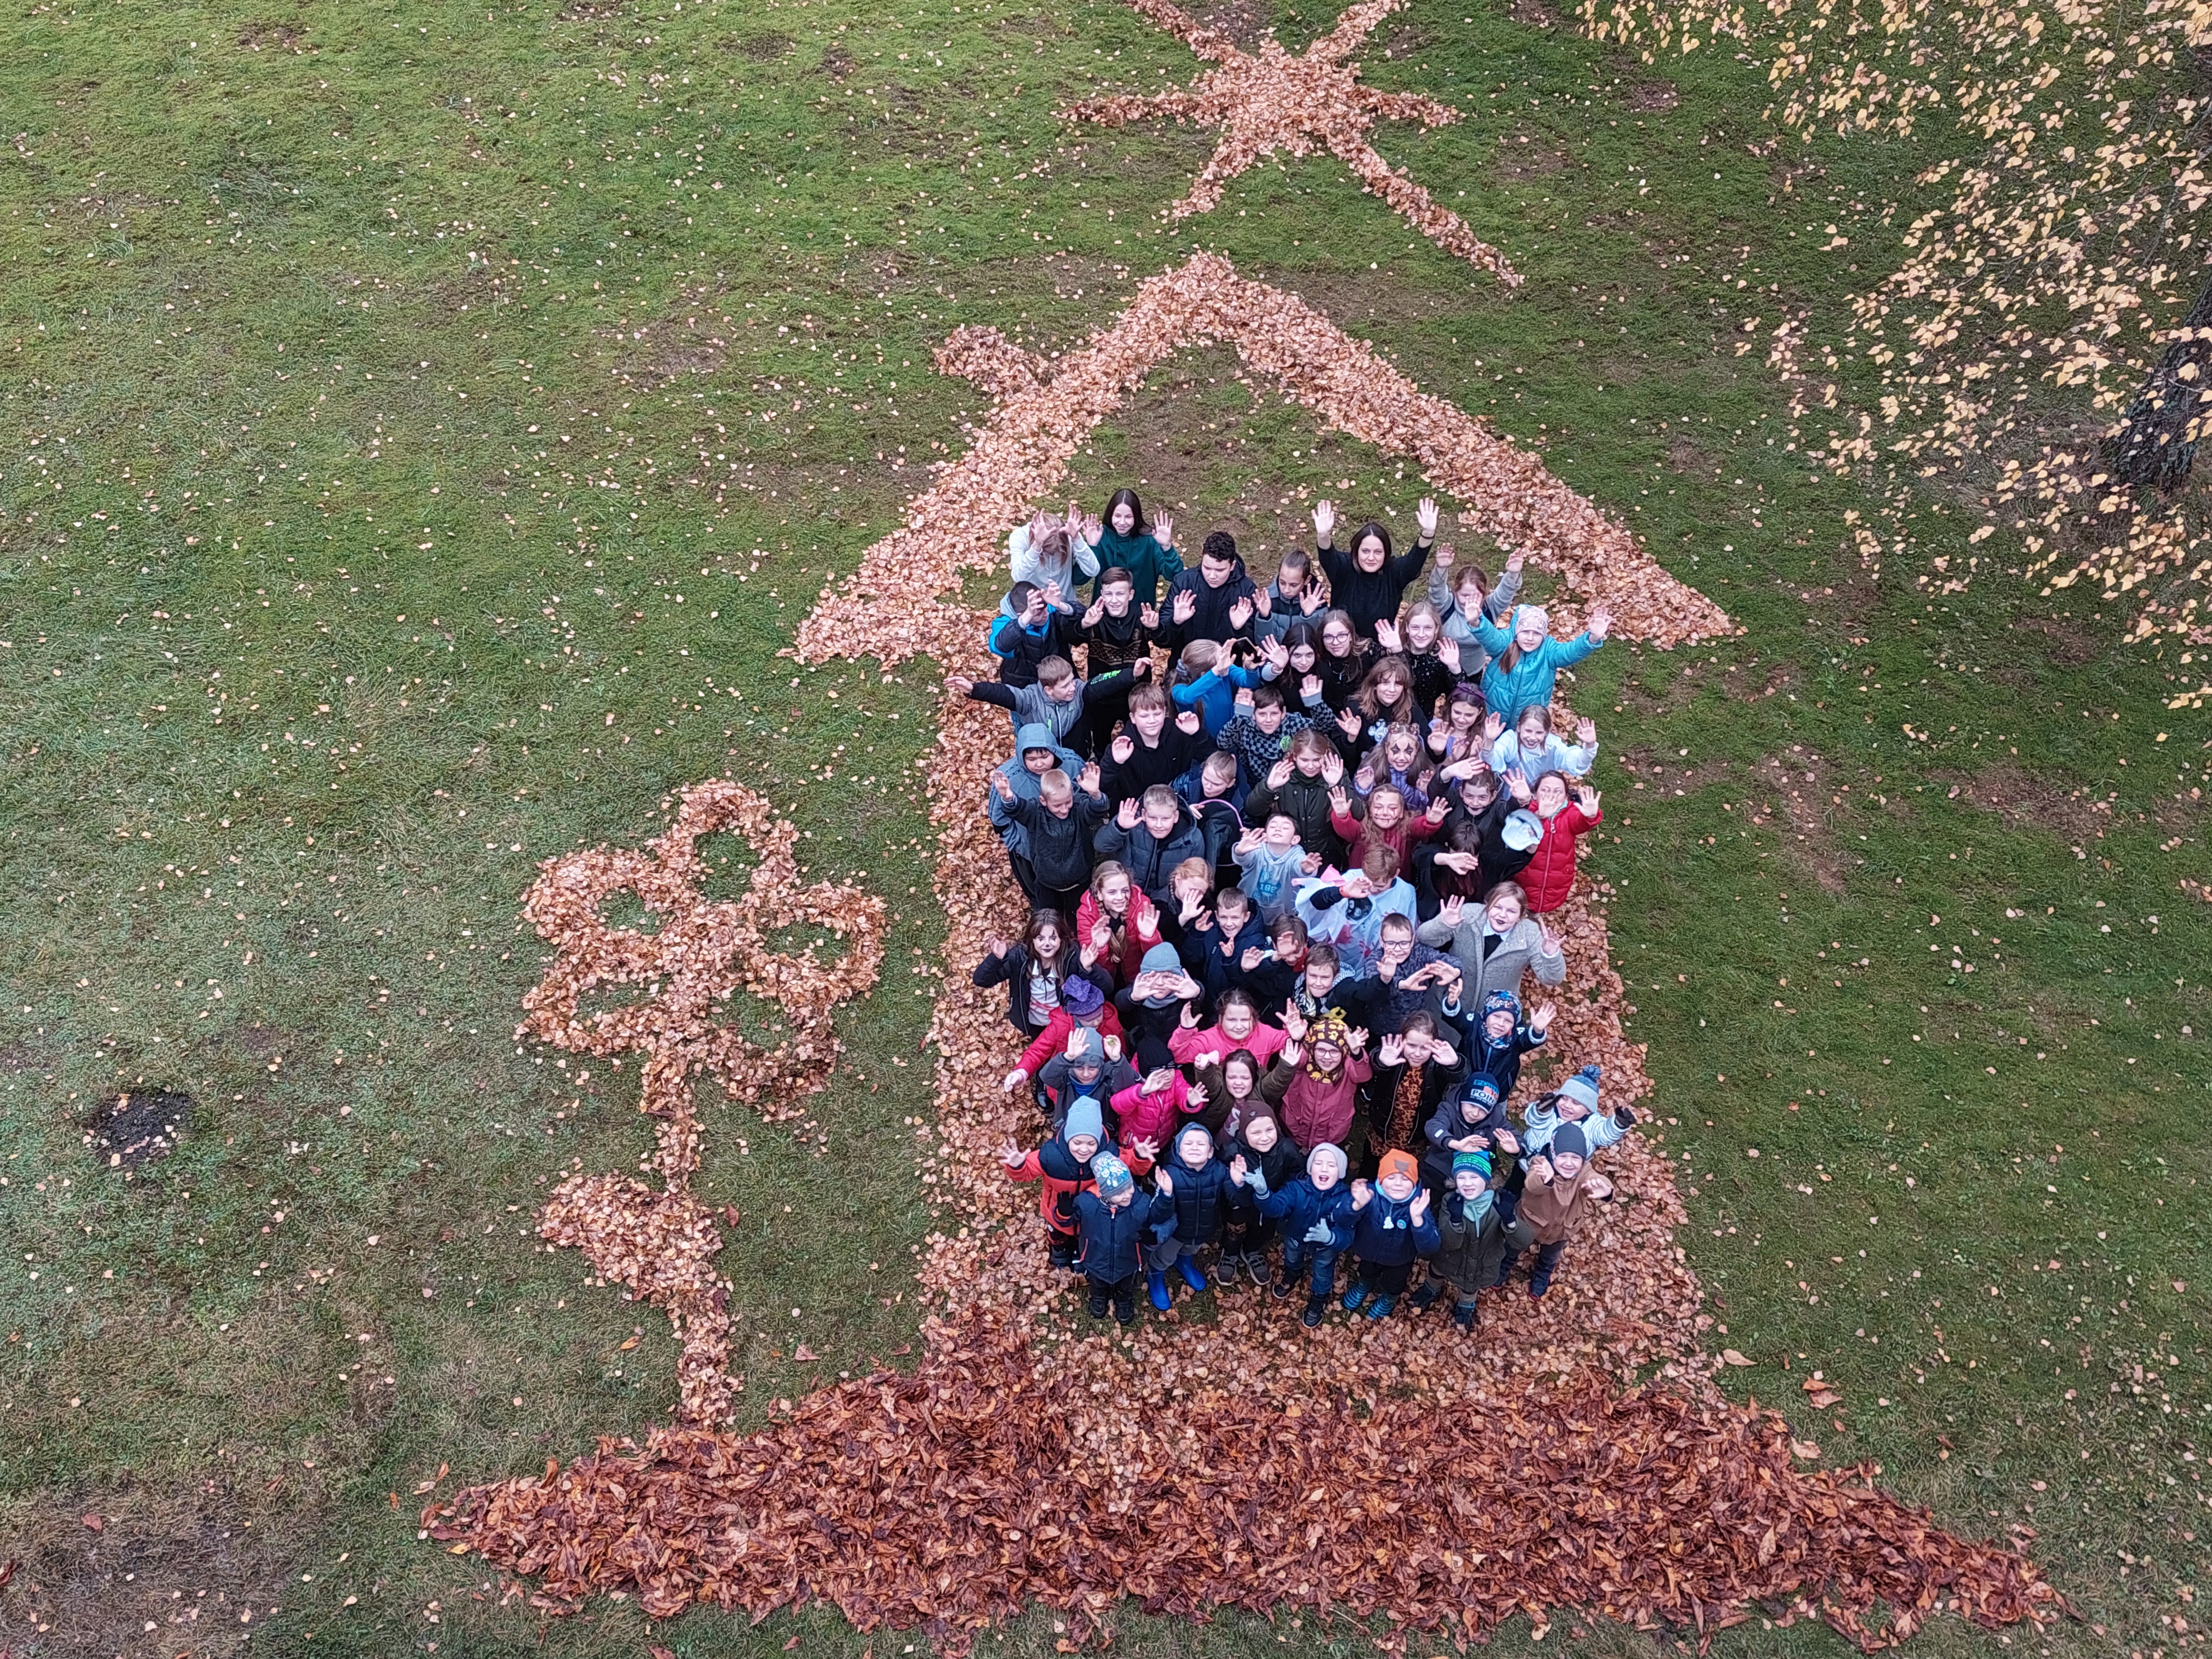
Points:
(1081, 998)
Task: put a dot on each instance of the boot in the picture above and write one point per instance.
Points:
(1425, 1298)
(1311, 1317)
(1062, 1250)
(1282, 1288)
(1354, 1296)
(1463, 1315)
(1157, 1283)
(1381, 1306)
(1097, 1300)
(1188, 1265)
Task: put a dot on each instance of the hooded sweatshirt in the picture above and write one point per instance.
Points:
(1370, 596)
(1031, 735)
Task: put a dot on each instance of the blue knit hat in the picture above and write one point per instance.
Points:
(1501, 1002)
(1084, 1118)
(1111, 1176)
(1582, 1087)
(1163, 959)
(1478, 1162)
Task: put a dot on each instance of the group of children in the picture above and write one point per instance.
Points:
(1284, 886)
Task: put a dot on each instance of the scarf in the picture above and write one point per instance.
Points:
(1405, 1108)
(1468, 1212)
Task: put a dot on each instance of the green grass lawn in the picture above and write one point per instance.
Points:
(421, 430)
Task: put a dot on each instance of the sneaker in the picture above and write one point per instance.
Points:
(1425, 1298)
(1381, 1306)
(1311, 1316)
(1256, 1265)
(1282, 1289)
(1354, 1296)
(1464, 1316)
(1537, 1287)
(1158, 1284)
(1192, 1274)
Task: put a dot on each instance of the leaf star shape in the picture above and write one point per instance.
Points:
(1269, 100)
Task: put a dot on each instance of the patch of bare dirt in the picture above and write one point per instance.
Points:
(1684, 455)
(2022, 799)
(1533, 13)
(837, 62)
(764, 46)
(1519, 157)
(692, 338)
(2069, 648)
(1804, 797)
(138, 1128)
(142, 1569)
(1352, 297)
(1245, 21)
(276, 37)
(1408, 41)
(1650, 97)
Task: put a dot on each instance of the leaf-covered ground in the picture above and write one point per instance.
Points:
(420, 431)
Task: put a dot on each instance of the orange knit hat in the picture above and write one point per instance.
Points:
(1398, 1164)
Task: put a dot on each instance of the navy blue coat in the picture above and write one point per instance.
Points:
(1301, 1204)
(1384, 1234)
(1114, 1239)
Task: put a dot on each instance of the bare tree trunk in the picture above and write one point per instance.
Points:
(2156, 443)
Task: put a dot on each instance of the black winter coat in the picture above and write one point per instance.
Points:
(1201, 1198)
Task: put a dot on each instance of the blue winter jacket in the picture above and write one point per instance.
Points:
(1384, 1232)
(1528, 682)
(1301, 1207)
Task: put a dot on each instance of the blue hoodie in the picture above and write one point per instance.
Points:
(1213, 694)
(1024, 782)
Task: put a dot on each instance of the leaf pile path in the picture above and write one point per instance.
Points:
(1268, 101)
(1572, 1453)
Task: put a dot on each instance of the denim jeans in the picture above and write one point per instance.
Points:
(1299, 1252)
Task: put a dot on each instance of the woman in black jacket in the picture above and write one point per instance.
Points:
(1370, 582)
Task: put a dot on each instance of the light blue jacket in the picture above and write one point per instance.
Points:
(1529, 681)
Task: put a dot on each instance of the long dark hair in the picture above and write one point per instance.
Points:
(1136, 511)
(1370, 528)
(1062, 965)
